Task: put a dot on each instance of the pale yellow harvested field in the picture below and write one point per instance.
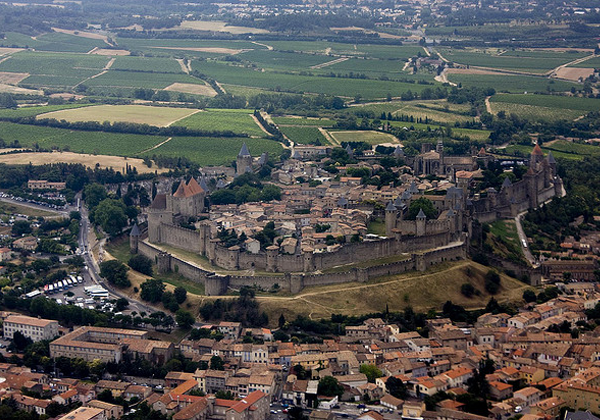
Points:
(140, 114)
(9, 78)
(6, 50)
(116, 162)
(574, 73)
(473, 71)
(219, 26)
(82, 34)
(214, 50)
(18, 90)
(191, 88)
(105, 51)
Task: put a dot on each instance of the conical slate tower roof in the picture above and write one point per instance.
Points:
(390, 206)
(506, 183)
(413, 188)
(135, 231)
(551, 159)
(421, 214)
(244, 151)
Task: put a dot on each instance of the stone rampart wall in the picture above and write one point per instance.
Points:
(218, 284)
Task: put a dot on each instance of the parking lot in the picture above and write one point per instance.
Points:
(75, 295)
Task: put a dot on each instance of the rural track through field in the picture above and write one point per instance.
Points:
(104, 71)
(488, 105)
(183, 66)
(184, 117)
(329, 63)
(156, 146)
(443, 78)
(268, 47)
(328, 136)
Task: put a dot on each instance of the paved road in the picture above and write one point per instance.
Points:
(64, 212)
(523, 239)
(94, 271)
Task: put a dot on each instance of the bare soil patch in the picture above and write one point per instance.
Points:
(116, 162)
(215, 50)
(90, 35)
(574, 73)
(18, 90)
(6, 50)
(191, 88)
(9, 78)
(472, 71)
(106, 51)
(219, 26)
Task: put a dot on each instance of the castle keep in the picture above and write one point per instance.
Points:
(301, 257)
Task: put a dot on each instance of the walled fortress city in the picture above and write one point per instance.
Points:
(307, 218)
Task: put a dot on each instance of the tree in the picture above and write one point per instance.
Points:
(419, 204)
(216, 363)
(330, 387)
(371, 371)
(115, 272)
(184, 319)
(21, 227)
(122, 304)
(141, 263)
(93, 194)
(467, 289)
(529, 296)
(111, 216)
(492, 282)
(180, 294)
(396, 387)
(152, 290)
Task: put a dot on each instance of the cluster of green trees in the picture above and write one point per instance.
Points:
(244, 309)
(154, 291)
(115, 272)
(108, 212)
(246, 188)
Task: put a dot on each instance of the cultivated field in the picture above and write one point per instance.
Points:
(512, 83)
(202, 90)
(544, 107)
(214, 150)
(303, 121)
(303, 135)
(526, 61)
(147, 64)
(371, 137)
(237, 121)
(52, 69)
(93, 142)
(140, 114)
(91, 161)
(7, 78)
(573, 73)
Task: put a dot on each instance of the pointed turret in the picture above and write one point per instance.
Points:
(413, 188)
(390, 206)
(342, 202)
(399, 152)
(507, 183)
(551, 159)
(244, 151)
(421, 214)
(203, 184)
(135, 231)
